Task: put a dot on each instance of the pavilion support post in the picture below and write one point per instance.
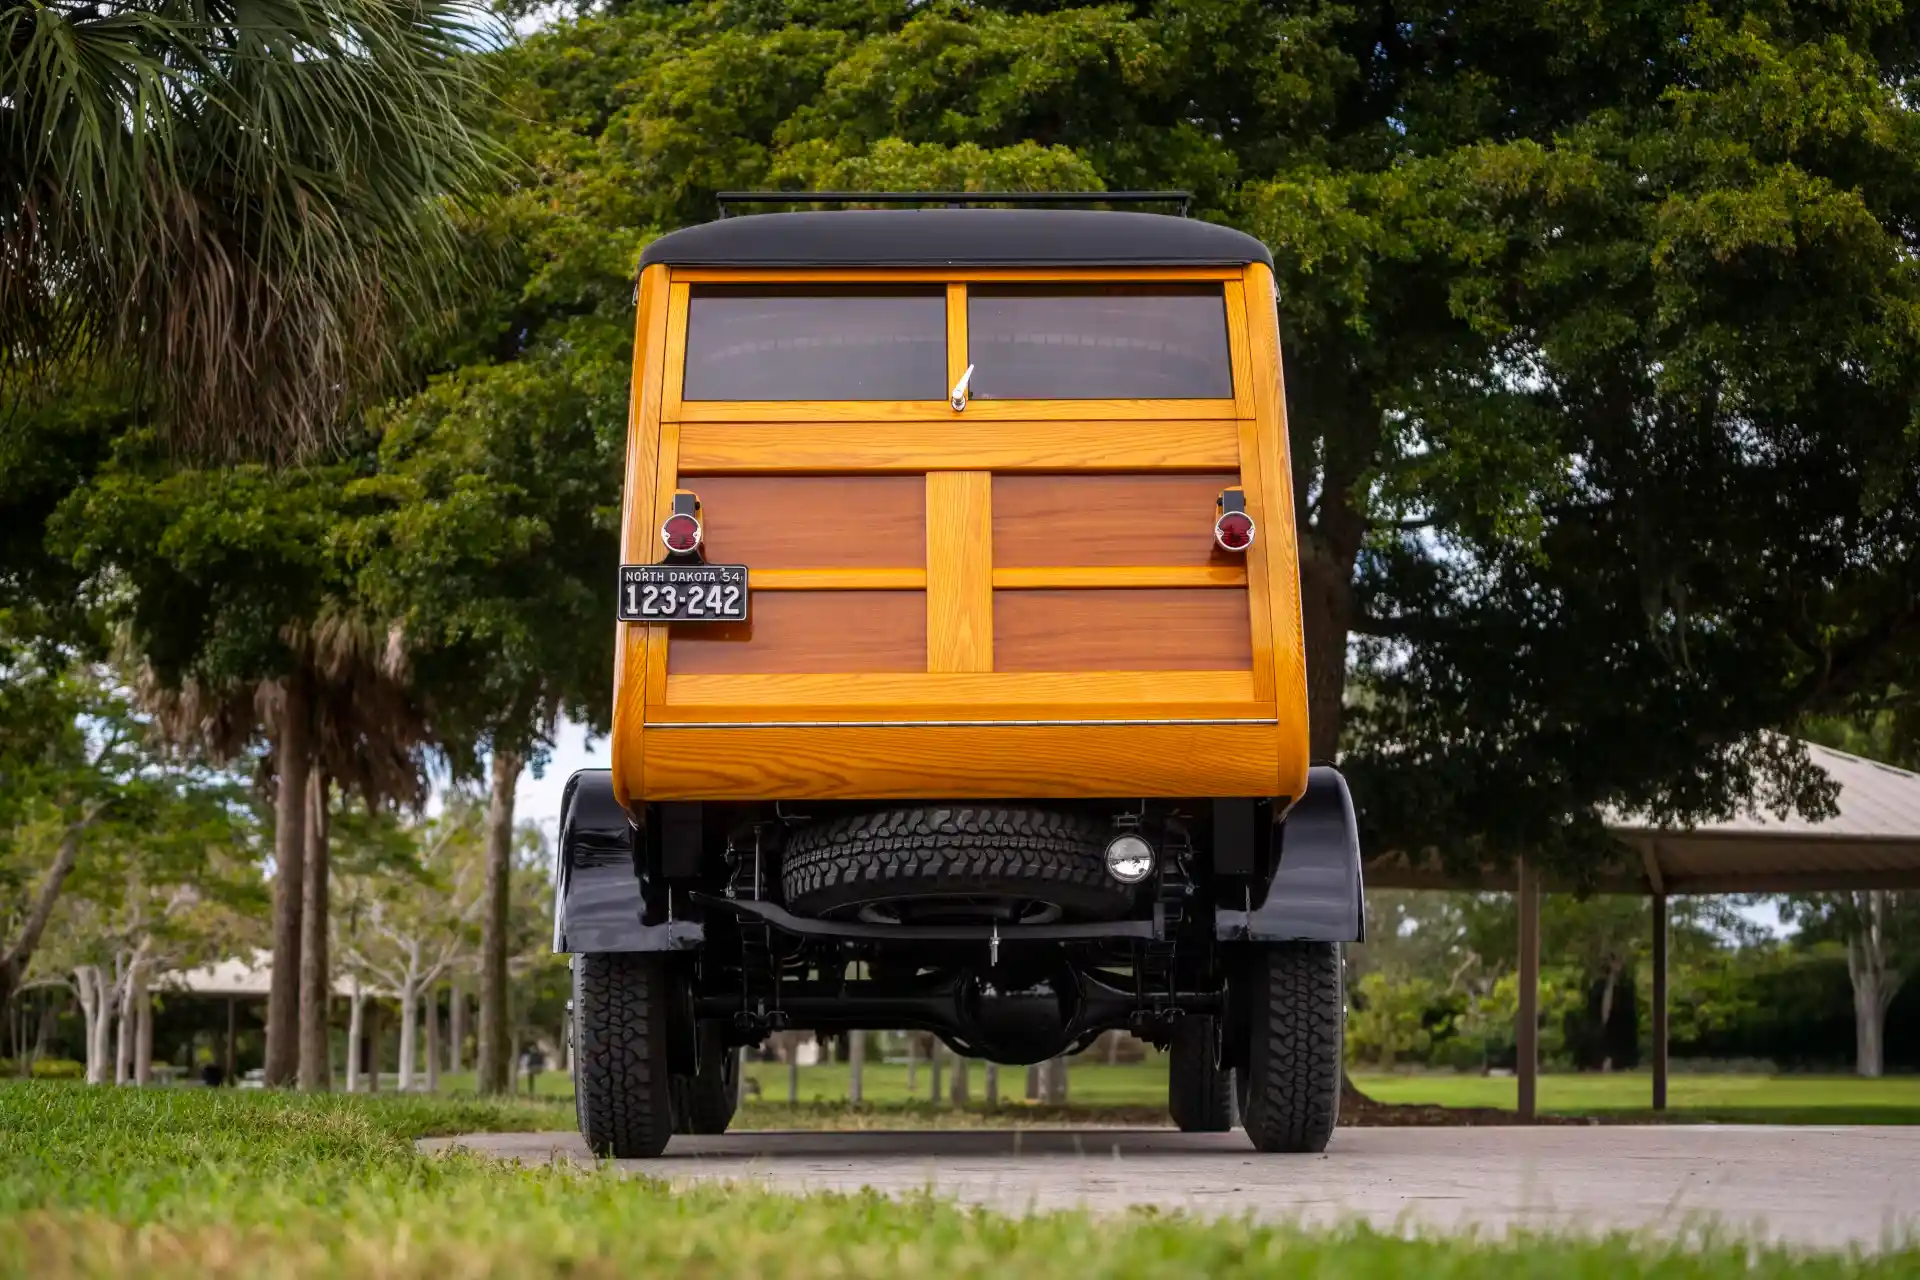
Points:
(1526, 1032)
(227, 1050)
(1659, 1002)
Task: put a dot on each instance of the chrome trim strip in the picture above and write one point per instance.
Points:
(929, 724)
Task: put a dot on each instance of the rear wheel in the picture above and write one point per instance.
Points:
(704, 1102)
(622, 1085)
(944, 863)
(1295, 1010)
(1199, 1085)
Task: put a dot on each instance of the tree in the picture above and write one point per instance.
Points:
(1881, 931)
(403, 933)
(245, 206)
(1540, 281)
(232, 587)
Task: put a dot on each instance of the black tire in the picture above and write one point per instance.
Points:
(622, 1086)
(1296, 1015)
(1199, 1086)
(704, 1102)
(959, 854)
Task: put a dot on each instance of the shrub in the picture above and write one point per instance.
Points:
(58, 1069)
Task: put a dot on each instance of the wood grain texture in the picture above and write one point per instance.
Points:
(1121, 630)
(846, 762)
(748, 411)
(837, 579)
(955, 445)
(1108, 520)
(1238, 348)
(1282, 549)
(1259, 572)
(1121, 576)
(959, 571)
(812, 522)
(673, 371)
(807, 632)
(1209, 693)
(956, 333)
(636, 508)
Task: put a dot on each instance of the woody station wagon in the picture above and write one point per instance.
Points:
(960, 673)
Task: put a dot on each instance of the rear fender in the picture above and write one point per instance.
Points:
(1316, 893)
(600, 892)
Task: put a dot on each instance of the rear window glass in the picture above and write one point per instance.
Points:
(1099, 342)
(756, 342)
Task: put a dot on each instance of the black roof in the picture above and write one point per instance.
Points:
(956, 238)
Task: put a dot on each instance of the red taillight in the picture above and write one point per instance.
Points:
(1234, 531)
(681, 533)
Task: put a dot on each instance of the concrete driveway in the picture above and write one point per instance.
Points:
(1803, 1186)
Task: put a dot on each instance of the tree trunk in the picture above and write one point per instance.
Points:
(856, 1066)
(409, 1034)
(495, 1065)
(97, 1016)
(356, 1029)
(1874, 981)
(1053, 1082)
(456, 1027)
(373, 1047)
(993, 1084)
(14, 960)
(431, 1008)
(126, 1027)
(143, 1036)
(960, 1093)
(316, 976)
(1033, 1083)
(1869, 1060)
(933, 1070)
(291, 752)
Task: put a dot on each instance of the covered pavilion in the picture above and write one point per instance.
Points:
(1872, 842)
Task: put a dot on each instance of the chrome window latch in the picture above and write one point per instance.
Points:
(958, 396)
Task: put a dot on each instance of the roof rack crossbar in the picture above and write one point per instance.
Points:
(1183, 199)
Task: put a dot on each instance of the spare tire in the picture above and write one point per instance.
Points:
(941, 863)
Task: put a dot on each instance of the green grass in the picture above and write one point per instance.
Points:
(1093, 1084)
(217, 1184)
(1756, 1098)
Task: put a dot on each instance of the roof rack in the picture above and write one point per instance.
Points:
(957, 199)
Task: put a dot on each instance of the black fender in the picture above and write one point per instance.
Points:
(1316, 894)
(600, 889)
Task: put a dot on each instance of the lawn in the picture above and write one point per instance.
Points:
(99, 1182)
(1137, 1094)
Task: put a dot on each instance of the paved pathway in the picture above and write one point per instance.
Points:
(1805, 1186)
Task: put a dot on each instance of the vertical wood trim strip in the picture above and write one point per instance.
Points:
(1237, 349)
(1259, 575)
(632, 641)
(669, 478)
(1283, 563)
(956, 332)
(959, 571)
(675, 359)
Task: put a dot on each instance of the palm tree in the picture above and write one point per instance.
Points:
(246, 204)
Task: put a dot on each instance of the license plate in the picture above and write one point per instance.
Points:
(683, 593)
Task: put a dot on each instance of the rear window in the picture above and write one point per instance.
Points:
(758, 342)
(1099, 342)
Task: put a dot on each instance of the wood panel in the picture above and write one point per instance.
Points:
(1173, 445)
(1270, 437)
(858, 762)
(1108, 520)
(808, 631)
(959, 571)
(940, 411)
(643, 456)
(838, 579)
(1122, 576)
(1141, 630)
(813, 522)
(1207, 693)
